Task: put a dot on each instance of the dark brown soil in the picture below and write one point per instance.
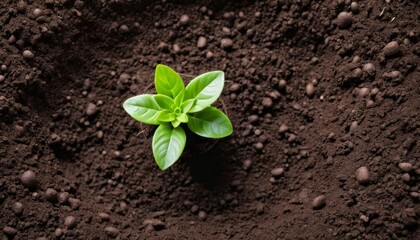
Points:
(300, 93)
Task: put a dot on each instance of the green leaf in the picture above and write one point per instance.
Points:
(179, 99)
(168, 144)
(164, 101)
(187, 105)
(166, 116)
(175, 123)
(205, 89)
(168, 82)
(143, 108)
(182, 118)
(211, 123)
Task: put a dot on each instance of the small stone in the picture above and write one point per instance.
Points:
(37, 12)
(58, 232)
(234, 87)
(124, 29)
(344, 20)
(104, 216)
(253, 118)
(74, 203)
(405, 166)
(209, 54)
(391, 49)
(364, 92)
(282, 83)
(194, 208)
(9, 231)
(374, 92)
(277, 172)
(362, 175)
(70, 222)
(260, 208)
(176, 48)
(21, 6)
(354, 6)
(259, 146)
(112, 232)
(18, 208)
(319, 202)
(369, 68)
(29, 179)
(202, 42)
(310, 90)
(63, 197)
(184, 19)
(353, 126)
(91, 109)
(283, 128)
(202, 215)
(28, 55)
(246, 165)
(155, 223)
(51, 195)
(406, 177)
(1, 78)
(226, 43)
(267, 102)
(292, 137)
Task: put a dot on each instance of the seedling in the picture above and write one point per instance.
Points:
(173, 105)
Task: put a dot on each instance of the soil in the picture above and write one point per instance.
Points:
(325, 109)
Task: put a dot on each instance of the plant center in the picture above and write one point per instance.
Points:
(177, 111)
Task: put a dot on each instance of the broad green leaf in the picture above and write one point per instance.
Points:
(175, 123)
(143, 108)
(187, 105)
(166, 116)
(168, 82)
(205, 89)
(211, 123)
(179, 99)
(168, 144)
(164, 101)
(182, 118)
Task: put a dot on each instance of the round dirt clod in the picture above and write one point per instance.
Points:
(63, 197)
(1, 78)
(51, 195)
(226, 43)
(184, 19)
(18, 208)
(91, 109)
(310, 90)
(391, 49)
(319, 202)
(70, 222)
(405, 166)
(37, 12)
(21, 6)
(9, 231)
(369, 68)
(202, 215)
(112, 231)
(344, 20)
(362, 175)
(283, 128)
(277, 172)
(28, 55)
(29, 179)
(202, 42)
(354, 6)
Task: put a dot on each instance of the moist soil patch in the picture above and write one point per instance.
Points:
(323, 96)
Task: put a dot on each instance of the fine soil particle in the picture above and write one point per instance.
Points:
(323, 97)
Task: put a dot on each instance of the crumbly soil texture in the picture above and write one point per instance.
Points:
(324, 98)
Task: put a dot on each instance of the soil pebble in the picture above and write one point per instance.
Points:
(202, 42)
(369, 68)
(354, 6)
(29, 179)
(184, 19)
(246, 165)
(70, 222)
(104, 216)
(202, 215)
(267, 102)
(112, 231)
(319, 202)
(18, 208)
(405, 166)
(362, 175)
(1, 78)
(9, 231)
(51, 195)
(21, 6)
(58, 232)
(344, 20)
(283, 128)
(63, 197)
(28, 55)
(364, 92)
(406, 177)
(37, 12)
(155, 223)
(277, 172)
(226, 43)
(74, 203)
(391, 49)
(310, 90)
(91, 109)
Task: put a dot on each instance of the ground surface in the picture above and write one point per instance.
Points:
(313, 97)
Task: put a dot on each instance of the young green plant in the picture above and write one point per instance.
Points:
(175, 104)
